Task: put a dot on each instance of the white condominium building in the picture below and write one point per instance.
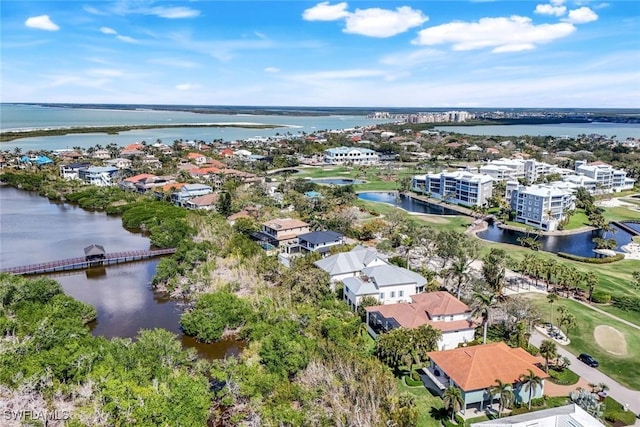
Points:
(514, 169)
(541, 206)
(459, 187)
(354, 155)
(607, 178)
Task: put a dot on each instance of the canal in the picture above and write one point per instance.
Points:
(34, 229)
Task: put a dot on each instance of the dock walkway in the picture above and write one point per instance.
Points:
(82, 263)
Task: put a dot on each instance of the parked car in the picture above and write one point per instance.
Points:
(589, 360)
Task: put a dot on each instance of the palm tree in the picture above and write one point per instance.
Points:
(452, 399)
(531, 382)
(548, 350)
(505, 395)
(592, 282)
(482, 306)
(551, 298)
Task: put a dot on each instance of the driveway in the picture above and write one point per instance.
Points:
(591, 375)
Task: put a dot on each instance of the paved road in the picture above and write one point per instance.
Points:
(619, 392)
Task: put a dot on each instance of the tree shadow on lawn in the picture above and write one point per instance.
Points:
(439, 414)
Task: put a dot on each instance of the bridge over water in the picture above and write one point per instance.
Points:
(82, 263)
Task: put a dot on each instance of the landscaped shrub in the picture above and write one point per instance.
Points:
(563, 376)
(627, 303)
(606, 260)
(411, 382)
(537, 402)
(601, 297)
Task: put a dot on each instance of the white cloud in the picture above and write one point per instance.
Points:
(581, 15)
(326, 12)
(93, 10)
(373, 22)
(173, 12)
(42, 22)
(503, 34)
(107, 30)
(549, 9)
(376, 22)
(271, 70)
(104, 72)
(126, 39)
(187, 86)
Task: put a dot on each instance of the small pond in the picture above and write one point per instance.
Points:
(407, 203)
(577, 244)
(337, 181)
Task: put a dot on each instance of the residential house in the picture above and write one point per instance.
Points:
(351, 264)
(475, 369)
(440, 310)
(387, 283)
(72, 170)
(315, 241)
(197, 158)
(129, 184)
(189, 191)
(120, 163)
(101, 154)
(280, 232)
(101, 176)
(152, 182)
(205, 202)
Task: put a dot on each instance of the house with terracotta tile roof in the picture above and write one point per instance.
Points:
(475, 369)
(197, 158)
(440, 310)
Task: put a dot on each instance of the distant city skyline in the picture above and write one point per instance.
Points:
(449, 54)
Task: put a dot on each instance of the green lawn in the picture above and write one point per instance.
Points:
(620, 214)
(578, 219)
(624, 369)
(425, 402)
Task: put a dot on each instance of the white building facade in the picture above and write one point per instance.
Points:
(459, 187)
(351, 155)
(542, 206)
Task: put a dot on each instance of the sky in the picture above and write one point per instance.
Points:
(454, 53)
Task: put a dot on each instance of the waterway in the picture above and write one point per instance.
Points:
(34, 229)
(580, 244)
(621, 131)
(407, 203)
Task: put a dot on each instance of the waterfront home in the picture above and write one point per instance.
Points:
(189, 191)
(459, 187)
(101, 176)
(205, 202)
(351, 264)
(37, 160)
(351, 155)
(72, 170)
(120, 163)
(387, 283)
(129, 184)
(152, 181)
(567, 415)
(475, 369)
(280, 232)
(440, 310)
(315, 241)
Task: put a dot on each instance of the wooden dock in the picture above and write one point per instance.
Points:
(81, 263)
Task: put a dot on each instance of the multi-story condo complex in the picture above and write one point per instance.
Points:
(101, 176)
(514, 169)
(607, 178)
(541, 206)
(459, 187)
(354, 155)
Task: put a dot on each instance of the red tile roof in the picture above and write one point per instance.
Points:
(139, 177)
(478, 367)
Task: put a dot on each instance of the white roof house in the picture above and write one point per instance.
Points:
(350, 264)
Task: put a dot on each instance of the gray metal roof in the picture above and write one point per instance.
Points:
(317, 237)
(390, 275)
(349, 262)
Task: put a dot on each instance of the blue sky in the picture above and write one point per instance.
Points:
(553, 53)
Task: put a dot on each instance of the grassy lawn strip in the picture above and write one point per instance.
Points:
(624, 369)
(427, 404)
(457, 222)
(578, 219)
(614, 411)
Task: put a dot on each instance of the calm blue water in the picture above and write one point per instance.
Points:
(621, 131)
(13, 117)
(406, 203)
(337, 181)
(577, 244)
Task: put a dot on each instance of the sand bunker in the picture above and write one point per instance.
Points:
(610, 339)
